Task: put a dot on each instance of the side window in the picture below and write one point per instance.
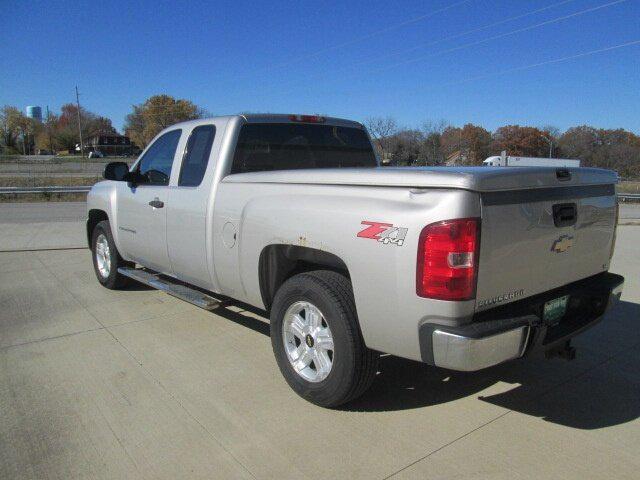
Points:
(155, 165)
(196, 156)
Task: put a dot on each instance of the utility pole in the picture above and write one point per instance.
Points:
(79, 123)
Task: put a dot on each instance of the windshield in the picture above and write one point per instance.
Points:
(288, 146)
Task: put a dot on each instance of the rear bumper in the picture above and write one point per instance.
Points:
(517, 329)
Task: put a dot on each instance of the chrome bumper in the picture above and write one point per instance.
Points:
(616, 293)
(465, 353)
(456, 352)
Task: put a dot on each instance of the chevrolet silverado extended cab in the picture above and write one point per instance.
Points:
(461, 268)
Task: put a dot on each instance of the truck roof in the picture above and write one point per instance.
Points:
(273, 118)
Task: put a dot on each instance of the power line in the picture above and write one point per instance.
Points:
(546, 62)
(370, 35)
(485, 40)
(462, 34)
(502, 35)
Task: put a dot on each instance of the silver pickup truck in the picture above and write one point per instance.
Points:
(461, 268)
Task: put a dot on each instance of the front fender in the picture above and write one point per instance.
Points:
(103, 196)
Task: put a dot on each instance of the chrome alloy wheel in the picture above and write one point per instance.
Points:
(308, 341)
(103, 256)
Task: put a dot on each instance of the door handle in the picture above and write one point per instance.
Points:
(156, 203)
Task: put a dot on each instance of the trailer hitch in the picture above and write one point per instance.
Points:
(565, 351)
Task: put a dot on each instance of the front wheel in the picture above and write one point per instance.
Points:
(317, 341)
(106, 258)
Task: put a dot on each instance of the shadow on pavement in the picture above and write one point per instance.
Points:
(246, 318)
(138, 287)
(596, 396)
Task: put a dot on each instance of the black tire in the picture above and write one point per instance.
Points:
(354, 366)
(113, 280)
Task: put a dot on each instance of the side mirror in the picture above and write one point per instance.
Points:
(133, 178)
(116, 171)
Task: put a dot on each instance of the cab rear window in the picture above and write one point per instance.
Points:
(289, 146)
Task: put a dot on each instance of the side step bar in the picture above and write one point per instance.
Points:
(191, 295)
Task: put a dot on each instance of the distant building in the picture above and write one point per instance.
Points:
(34, 112)
(110, 145)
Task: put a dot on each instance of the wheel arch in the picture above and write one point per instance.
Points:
(94, 217)
(279, 262)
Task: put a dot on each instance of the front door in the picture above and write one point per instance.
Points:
(142, 209)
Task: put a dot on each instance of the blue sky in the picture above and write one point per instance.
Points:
(418, 61)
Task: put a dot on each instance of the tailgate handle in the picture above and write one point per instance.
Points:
(565, 214)
(563, 174)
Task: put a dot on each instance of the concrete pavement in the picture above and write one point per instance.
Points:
(137, 384)
(629, 213)
(41, 225)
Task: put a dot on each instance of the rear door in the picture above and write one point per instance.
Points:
(191, 195)
(142, 210)
(534, 240)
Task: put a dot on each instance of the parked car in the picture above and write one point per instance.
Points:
(461, 268)
(96, 154)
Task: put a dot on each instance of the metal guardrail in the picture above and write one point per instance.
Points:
(625, 197)
(48, 189)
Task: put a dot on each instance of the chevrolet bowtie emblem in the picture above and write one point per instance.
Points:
(562, 244)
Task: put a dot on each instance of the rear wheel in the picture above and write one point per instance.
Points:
(317, 341)
(106, 258)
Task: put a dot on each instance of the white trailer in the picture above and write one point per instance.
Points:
(509, 161)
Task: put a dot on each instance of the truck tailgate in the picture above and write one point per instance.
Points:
(537, 239)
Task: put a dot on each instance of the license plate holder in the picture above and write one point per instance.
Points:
(555, 309)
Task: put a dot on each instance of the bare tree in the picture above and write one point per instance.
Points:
(381, 129)
(434, 127)
(432, 145)
(551, 135)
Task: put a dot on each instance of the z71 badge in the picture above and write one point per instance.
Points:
(383, 232)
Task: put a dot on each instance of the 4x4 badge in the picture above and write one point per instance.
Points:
(383, 232)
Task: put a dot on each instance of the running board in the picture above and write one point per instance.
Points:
(191, 295)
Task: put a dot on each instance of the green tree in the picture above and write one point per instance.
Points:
(28, 128)
(157, 113)
(10, 119)
(18, 131)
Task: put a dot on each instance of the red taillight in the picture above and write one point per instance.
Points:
(306, 118)
(448, 259)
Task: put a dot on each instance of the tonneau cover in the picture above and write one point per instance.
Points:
(479, 179)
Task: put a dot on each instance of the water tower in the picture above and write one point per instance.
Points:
(34, 112)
